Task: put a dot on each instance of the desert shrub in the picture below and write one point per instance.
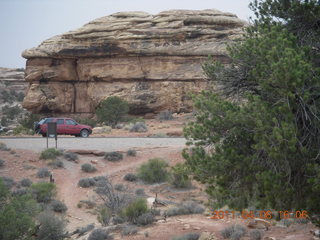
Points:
(129, 230)
(118, 219)
(51, 227)
(234, 232)
(43, 173)
(19, 192)
(188, 236)
(180, 176)
(3, 147)
(135, 209)
(70, 156)
(112, 199)
(2, 163)
(87, 121)
(100, 178)
(256, 234)
(43, 191)
(83, 230)
(113, 156)
(139, 191)
(50, 153)
(135, 120)
(26, 182)
(112, 110)
(119, 187)
(58, 206)
(56, 164)
(86, 182)
(104, 216)
(139, 127)
(28, 120)
(155, 212)
(154, 171)
(165, 115)
(159, 135)
(8, 182)
(87, 167)
(130, 177)
(145, 219)
(99, 234)
(188, 207)
(87, 203)
(131, 153)
(4, 121)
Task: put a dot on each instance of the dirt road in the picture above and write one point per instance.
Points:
(103, 144)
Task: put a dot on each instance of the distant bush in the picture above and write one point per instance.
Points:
(70, 156)
(99, 178)
(43, 173)
(165, 115)
(135, 209)
(188, 207)
(26, 182)
(180, 176)
(11, 112)
(119, 187)
(139, 191)
(112, 110)
(256, 235)
(145, 219)
(129, 230)
(235, 232)
(56, 164)
(104, 216)
(87, 121)
(43, 191)
(99, 234)
(22, 130)
(8, 182)
(2, 163)
(58, 206)
(87, 167)
(139, 127)
(131, 153)
(83, 230)
(51, 227)
(113, 156)
(130, 177)
(87, 204)
(28, 120)
(135, 120)
(188, 236)
(50, 153)
(4, 121)
(19, 192)
(154, 171)
(86, 182)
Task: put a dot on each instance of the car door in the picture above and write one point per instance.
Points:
(71, 127)
(61, 127)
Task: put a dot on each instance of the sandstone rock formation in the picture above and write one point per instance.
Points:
(152, 61)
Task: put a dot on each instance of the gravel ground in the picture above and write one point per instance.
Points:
(103, 144)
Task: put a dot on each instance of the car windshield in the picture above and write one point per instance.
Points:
(48, 120)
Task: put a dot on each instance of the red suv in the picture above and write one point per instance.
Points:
(66, 126)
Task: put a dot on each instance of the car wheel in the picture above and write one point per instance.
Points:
(44, 135)
(84, 133)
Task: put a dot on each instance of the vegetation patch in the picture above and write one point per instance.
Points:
(113, 156)
(154, 171)
(87, 167)
(50, 153)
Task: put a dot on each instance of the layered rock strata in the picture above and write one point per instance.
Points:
(152, 61)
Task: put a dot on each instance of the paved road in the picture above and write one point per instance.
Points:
(103, 144)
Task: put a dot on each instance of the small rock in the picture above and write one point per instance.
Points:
(186, 226)
(99, 153)
(196, 228)
(94, 161)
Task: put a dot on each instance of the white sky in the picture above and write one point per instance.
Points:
(26, 23)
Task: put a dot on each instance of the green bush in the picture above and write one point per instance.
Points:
(26, 182)
(235, 232)
(131, 153)
(113, 156)
(129, 230)
(22, 130)
(188, 207)
(180, 176)
(28, 120)
(51, 227)
(145, 219)
(119, 187)
(56, 164)
(130, 177)
(104, 216)
(140, 191)
(87, 121)
(86, 182)
(87, 167)
(135, 209)
(99, 234)
(58, 206)
(154, 171)
(8, 181)
(50, 153)
(135, 120)
(70, 156)
(112, 110)
(43, 191)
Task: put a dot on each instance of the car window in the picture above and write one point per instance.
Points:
(41, 121)
(60, 121)
(70, 122)
(48, 120)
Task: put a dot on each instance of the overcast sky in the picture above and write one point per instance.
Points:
(26, 23)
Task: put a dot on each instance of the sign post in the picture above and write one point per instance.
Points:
(52, 132)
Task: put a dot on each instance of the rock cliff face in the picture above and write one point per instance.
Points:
(152, 61)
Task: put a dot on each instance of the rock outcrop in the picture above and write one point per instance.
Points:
(152, 61)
